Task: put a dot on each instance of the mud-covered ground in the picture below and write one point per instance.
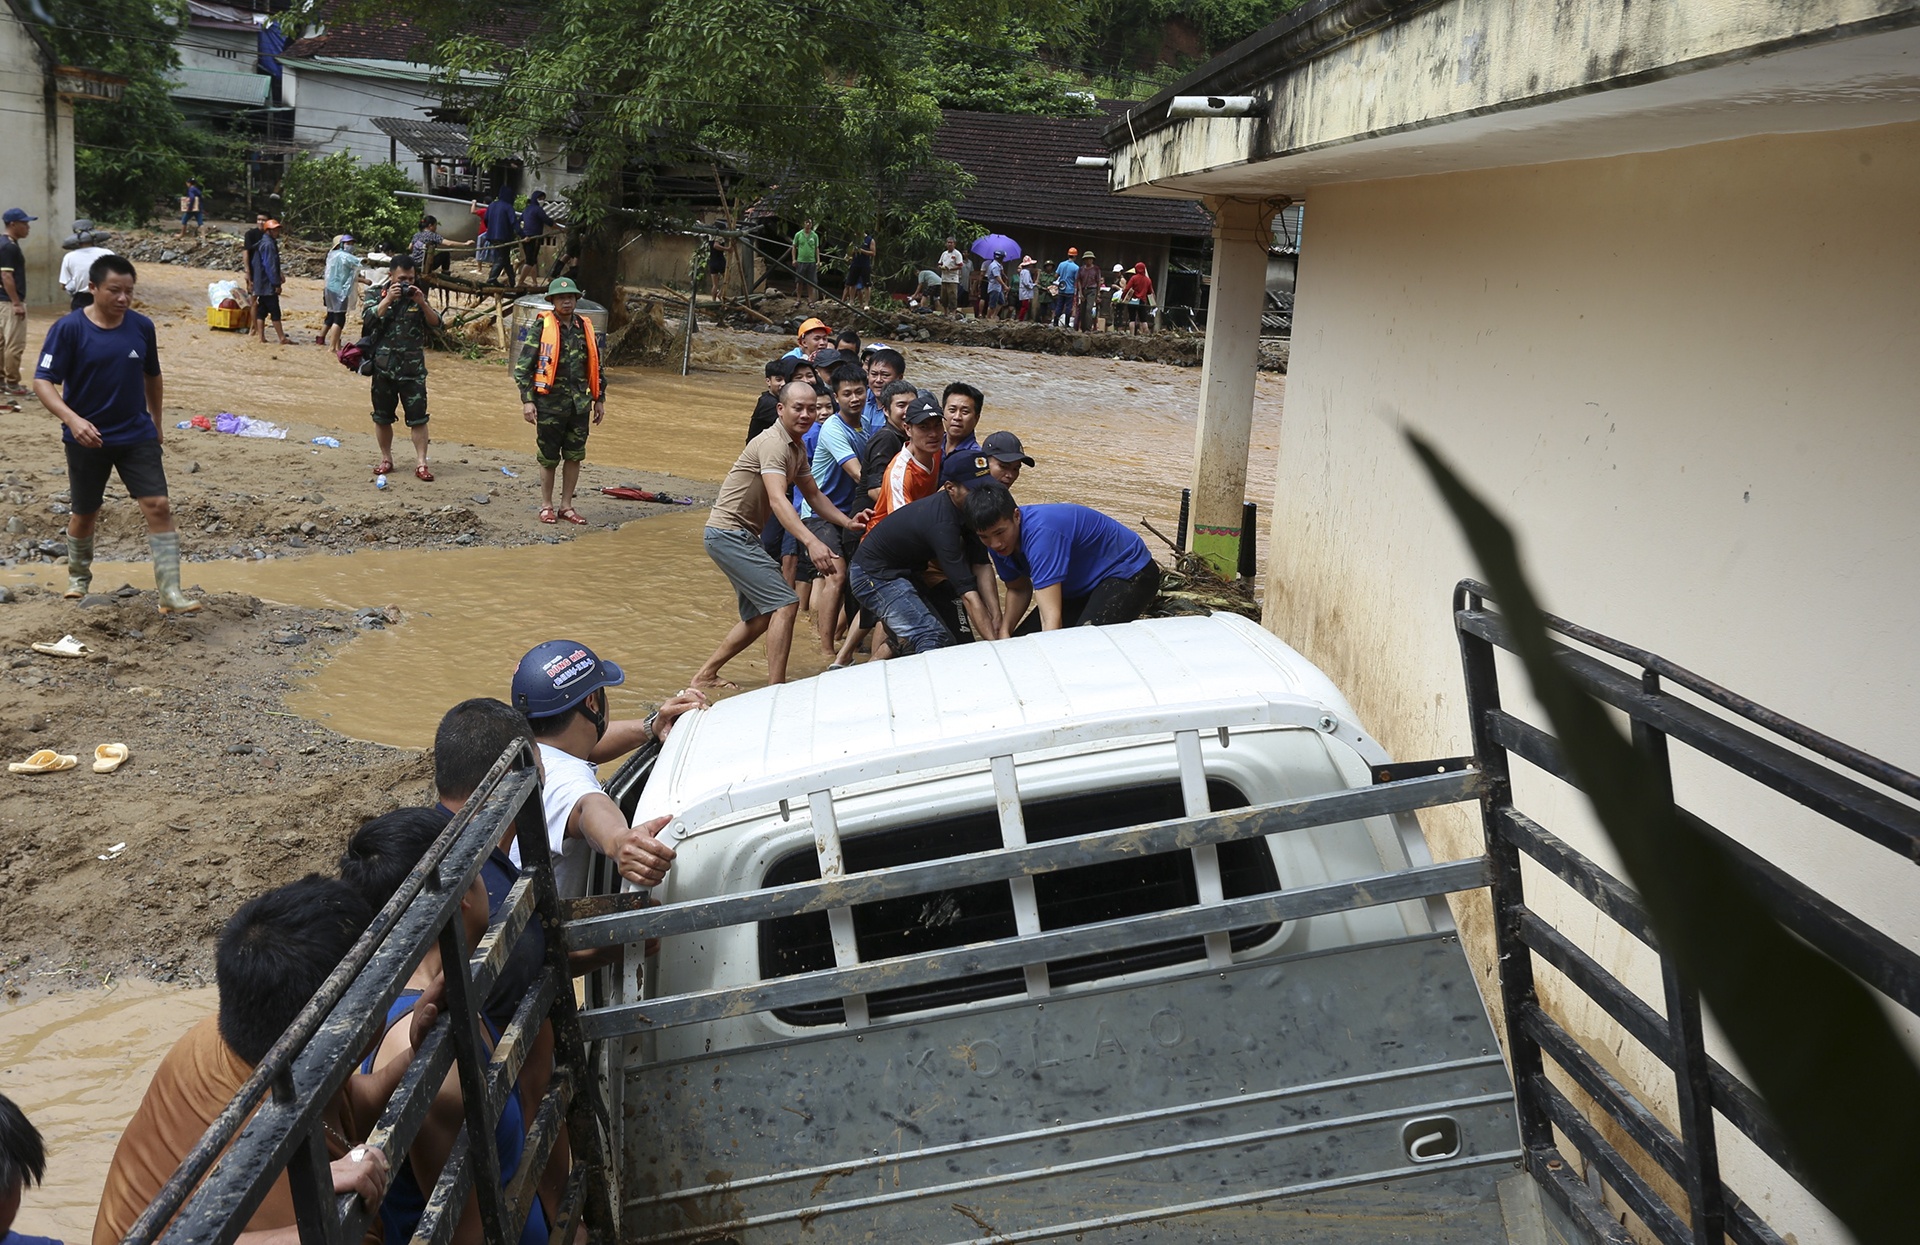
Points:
(225, 792)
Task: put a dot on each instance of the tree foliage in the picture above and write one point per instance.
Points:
(324, 196)
(137, 151)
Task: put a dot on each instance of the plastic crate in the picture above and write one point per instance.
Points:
(236, 319)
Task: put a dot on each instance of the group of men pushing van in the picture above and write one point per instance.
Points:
(880, 506)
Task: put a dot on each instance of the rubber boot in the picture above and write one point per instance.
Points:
(166, 573)
(79, 566)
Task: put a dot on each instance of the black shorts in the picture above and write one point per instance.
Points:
(88, 469)
(333, 318)
(266, 306)
(716, 263)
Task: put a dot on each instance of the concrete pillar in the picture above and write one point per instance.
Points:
(1242, 232)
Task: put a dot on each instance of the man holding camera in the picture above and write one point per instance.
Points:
(397, 317)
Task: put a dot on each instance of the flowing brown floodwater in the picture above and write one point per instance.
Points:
(77, 1064)
(1117, 436)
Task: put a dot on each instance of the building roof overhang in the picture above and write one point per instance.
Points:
(1357, 90)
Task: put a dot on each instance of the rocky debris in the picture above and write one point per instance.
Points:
(217, 248)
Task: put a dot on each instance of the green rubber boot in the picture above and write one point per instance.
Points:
(166, 573)
(79, 566)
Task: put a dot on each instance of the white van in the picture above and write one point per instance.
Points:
(1248, 1032)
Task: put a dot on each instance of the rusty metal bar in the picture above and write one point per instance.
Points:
(1103, 936)
(222, 1180)
(1131, 842)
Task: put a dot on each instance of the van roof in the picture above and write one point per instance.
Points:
(875, 715)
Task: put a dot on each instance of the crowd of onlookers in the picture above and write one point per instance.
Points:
(876, 505)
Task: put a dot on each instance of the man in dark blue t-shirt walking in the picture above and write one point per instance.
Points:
(99, 373)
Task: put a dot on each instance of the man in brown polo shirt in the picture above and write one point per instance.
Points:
(755, 487)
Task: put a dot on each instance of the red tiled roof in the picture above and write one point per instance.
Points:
(1024, 174)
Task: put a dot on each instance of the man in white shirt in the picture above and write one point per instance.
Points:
(82, 249)
(951, 262)
(561, 688)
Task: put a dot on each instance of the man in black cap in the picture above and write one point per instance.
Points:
(915, 569)
(1005, 457)
(13, 278)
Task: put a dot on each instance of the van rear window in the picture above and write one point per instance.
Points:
(1103, 892)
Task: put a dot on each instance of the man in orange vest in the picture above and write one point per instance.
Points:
(560, 388)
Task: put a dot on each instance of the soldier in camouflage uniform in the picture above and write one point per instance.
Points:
(398, 313)
(558, 373)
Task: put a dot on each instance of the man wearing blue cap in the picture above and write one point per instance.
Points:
(13, 277)
(561, 688)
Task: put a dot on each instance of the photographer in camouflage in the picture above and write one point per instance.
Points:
(397, 318)
(558, 373)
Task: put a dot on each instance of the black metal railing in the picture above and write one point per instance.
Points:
(275, 1125)
(1707, 1211)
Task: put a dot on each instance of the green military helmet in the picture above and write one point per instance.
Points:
(562, 285)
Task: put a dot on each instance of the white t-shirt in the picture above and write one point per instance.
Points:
(568, 780)
(75, 267)
(951, 262)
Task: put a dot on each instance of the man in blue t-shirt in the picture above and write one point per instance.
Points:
(839, 458)
(99, 373)
(1075, 565)
(1068, 277)
(503, 226)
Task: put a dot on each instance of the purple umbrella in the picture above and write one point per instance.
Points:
(986, 246)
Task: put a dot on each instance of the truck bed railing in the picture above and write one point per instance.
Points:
(1685, 1151)
(1214, 917)
(275, 1124)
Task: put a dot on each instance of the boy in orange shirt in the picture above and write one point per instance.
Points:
(915, 471)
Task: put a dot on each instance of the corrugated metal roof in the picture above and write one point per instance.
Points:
(429, 140)
(1024, 174)
(911, 705)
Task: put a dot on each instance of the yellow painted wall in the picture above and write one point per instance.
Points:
(1692, 380)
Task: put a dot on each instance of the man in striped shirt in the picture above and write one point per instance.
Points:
(915, 471)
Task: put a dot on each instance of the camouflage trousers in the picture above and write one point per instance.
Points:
(407, 393)
(560, 427)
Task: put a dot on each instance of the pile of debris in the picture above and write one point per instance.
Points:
(1192, 586)
(216, 248)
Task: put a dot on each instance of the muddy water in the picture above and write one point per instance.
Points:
(77, 1064)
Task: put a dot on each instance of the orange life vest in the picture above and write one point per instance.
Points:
(547, 367)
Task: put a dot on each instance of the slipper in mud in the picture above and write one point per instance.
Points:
(109, 757)
(45, 761)
(65, 646)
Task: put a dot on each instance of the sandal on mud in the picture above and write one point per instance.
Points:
(45, 761)
(546, 514)
(572, 516)
(65, 646)
(424, 474)
(109, 757)
(384, 467)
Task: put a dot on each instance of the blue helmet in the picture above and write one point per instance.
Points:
(554, 677)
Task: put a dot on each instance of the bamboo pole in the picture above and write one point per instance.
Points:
(500, 320)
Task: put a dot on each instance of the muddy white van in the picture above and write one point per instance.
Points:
(973, 946)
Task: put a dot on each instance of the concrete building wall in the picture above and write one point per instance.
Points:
(1688, 379)
(36, 149)
(334, 111)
